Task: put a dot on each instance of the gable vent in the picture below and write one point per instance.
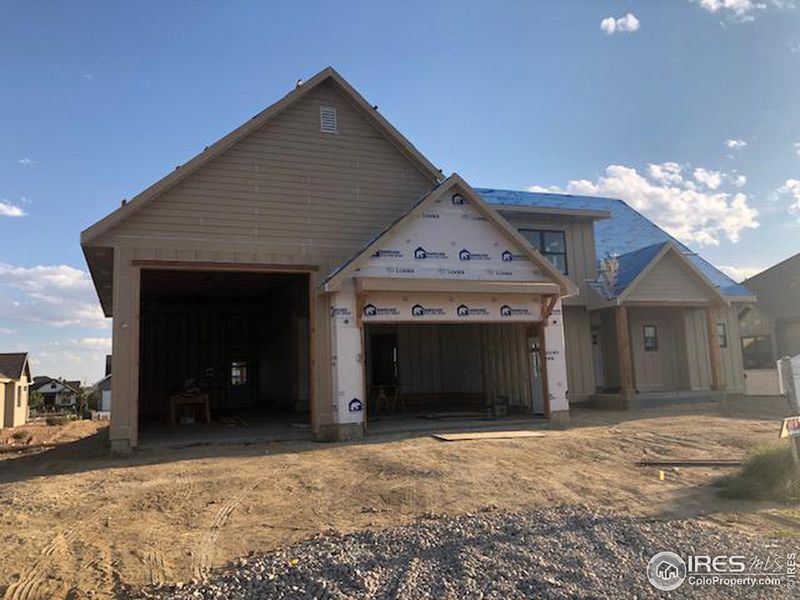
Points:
(327, 119)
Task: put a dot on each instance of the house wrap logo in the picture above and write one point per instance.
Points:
(387, 253)
(421, 311)
(370, 310)
(421, 254)
(508, 311)
(465, 311)
(508, 256)
(467, 255)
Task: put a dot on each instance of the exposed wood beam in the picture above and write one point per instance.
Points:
(626, 381)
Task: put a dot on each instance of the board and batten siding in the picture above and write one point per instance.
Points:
(579, 234)
(669, 280)
(286, 189)
(578, 347)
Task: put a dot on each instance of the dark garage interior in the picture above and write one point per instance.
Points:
(225, 346)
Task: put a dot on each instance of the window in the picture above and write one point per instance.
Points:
(239, 373)
(650, 338)
(757, 352)
(552, 245)
(722, 335)
(327, 119)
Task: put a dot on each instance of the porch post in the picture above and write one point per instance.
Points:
(715, 356)
(626, 386)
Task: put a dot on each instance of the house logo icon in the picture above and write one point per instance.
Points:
(464, 254)
(506, 256)
(355, 405)
(505, 311)
(666, 571)
(462, 310)
(370, 310)
(458, 199)
(417, 310)
(420, 253)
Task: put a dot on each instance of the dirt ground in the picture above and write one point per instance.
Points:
(76, 522)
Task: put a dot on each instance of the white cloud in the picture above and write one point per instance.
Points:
(668, 172)
(743, 11)
(57, 295)
(797, 148)
(710, 179)
(700, 216)
(795, 48)
(625, 24)
(791, 188)
(738, 180)
(10, 210)
(735, 144)
(26, 162)
(740, 273)
(6, 331)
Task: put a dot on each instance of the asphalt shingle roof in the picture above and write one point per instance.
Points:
(627, 232)
(12, 363)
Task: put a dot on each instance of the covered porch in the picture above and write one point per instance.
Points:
(659, 337)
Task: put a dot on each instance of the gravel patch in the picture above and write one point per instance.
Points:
(565, 552)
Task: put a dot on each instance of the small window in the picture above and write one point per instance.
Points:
(650, 338)
(551, 244)
(327, 119)
(239, 373)
(722, 335)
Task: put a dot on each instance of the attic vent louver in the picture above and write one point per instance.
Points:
(327, 119)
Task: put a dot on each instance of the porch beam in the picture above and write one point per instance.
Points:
(714, 353)
(624, 356)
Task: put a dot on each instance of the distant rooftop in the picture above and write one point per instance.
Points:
(625, 232)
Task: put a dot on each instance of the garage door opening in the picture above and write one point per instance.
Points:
(224, 347)
(453, 370)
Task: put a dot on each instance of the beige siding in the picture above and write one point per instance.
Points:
(579, 233)
(664, 368)
(578, 346)
(286, 189)
(697, 355)
(669, 280)
(732, 363)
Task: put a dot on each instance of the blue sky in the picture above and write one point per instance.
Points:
(100, 99)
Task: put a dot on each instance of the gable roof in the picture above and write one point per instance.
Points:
(258, 121)
(634, 267)
(778, 288)
(626, 231)
(339, 274)
(13, 365)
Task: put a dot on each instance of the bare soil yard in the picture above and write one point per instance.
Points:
(76, 522)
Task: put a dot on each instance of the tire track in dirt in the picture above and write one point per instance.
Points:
(32, 584)
(203, 558)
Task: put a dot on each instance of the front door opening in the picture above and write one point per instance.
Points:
(225, 347)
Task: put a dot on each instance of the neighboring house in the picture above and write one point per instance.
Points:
(15, 376)
(770, 327)
(313, 261)
(57, 393)
(103, 388)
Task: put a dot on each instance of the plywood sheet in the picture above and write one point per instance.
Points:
(487, 435)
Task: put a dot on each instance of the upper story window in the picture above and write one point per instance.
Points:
(551, 244)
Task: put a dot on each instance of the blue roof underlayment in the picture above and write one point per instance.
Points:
(627, 232)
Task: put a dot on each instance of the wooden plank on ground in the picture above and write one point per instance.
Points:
(487, 435)
(691, 462)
